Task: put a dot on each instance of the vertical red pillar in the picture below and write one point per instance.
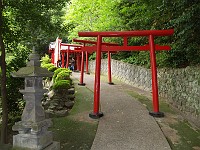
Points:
(76, 55)
(82, 70)
(155, 112)
(86, 62)
(96, 114)
(78, 61)
(52, 57)
(109, 69)
(67, 61)
(63, 59)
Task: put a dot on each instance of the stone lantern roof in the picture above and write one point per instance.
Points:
(33, 68)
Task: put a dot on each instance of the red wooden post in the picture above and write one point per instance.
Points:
(109, 69)
(96, 114)
(63, 59)
(82, 70)
(67, 61)
(155, 112)
(52, 57)
(78, 62)
(76, 66)
(86, 55)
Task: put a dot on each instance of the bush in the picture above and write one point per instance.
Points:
(63, 75)
(52, 68)
(57, 71)
(47, 66)
(45, 59)
(62, 84)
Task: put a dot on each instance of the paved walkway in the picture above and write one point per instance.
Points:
(126, 124)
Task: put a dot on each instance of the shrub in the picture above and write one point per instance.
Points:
(61, 84)
(45, 59)
(57, 71)
(47, 66)
(63, 75)
(52, 68)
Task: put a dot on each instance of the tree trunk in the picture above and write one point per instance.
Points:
(3, 82)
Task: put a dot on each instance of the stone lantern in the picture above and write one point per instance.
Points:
(33, 127)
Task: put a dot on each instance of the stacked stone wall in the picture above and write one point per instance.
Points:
(180, 87)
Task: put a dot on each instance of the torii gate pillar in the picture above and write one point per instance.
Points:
(82, 70)
(109, 69)
(96, 114)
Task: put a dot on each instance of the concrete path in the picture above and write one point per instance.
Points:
(126, 124)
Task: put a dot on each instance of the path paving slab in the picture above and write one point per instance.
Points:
(126, 124)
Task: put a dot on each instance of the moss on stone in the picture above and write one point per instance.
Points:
(31, 71)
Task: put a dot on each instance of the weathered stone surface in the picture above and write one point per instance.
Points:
(61, 113)
(33, 127)
(58, 102)
(36, 142)
(69, 104)
(181, 87)
(71, 91)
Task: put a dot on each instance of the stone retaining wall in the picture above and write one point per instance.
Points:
(181, 87)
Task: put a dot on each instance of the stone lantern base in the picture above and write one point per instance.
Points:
(34, 136)
(35, 142)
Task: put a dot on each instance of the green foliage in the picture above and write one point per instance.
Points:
(61, 84)
(31, 22)
(92, 56)
(26, 24)
(45, 60)
(63, 75)
(104, 15)
(47, 66)
(90, 15)
(56, 72)
(52, 68)
(14, 97)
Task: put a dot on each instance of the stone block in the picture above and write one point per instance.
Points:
(33, 142)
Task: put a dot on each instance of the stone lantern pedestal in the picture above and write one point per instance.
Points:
(33, 127)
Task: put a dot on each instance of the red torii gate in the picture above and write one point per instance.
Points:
(125, 34)
(68, 49)
(88, 49)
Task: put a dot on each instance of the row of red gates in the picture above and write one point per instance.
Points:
(62, 50)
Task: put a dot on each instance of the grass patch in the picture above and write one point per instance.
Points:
(5, 147)
(77, 130)
(164, 107)
(189, 137)
(73, 134)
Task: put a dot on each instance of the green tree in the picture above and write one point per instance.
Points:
(3, 81)
(90, 15)
(182, 15)
(24, 24)
(104, 15)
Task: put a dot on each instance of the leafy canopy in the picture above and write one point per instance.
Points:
(104, 15)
